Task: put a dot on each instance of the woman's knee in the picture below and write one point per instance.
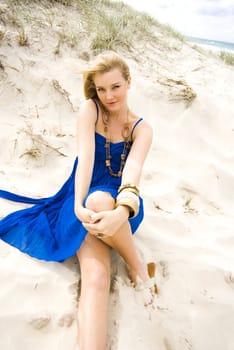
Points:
(98, 277)
(100, 200)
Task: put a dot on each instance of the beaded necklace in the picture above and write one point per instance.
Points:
(126, 136)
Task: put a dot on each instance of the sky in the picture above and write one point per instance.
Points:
(206, 19)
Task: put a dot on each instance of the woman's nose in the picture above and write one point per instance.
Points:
(109, 94)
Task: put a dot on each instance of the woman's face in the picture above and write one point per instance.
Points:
(112, 89)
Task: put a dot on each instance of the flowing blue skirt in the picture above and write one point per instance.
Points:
(49, 229)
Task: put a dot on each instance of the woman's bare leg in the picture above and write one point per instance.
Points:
(94, 259)
(122, 241)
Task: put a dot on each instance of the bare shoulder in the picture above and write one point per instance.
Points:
(143, 130)
(87, 110)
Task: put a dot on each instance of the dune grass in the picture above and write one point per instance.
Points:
(95, 25)
(227, 57)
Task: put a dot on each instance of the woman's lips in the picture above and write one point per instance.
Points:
(111, 103)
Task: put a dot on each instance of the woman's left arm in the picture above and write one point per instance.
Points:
(142, 140)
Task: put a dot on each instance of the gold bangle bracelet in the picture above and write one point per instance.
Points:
(129, 186)
(130, 189)
(130, 200)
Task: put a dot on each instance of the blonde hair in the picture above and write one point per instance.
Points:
(103, 63)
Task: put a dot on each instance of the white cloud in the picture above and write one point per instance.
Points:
(210, 19)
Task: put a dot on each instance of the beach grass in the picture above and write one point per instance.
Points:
(227, 57)
(22, 37)
(112, 26)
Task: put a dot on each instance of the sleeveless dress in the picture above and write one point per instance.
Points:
(49, 230)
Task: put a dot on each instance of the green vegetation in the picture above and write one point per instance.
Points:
(88, 27)
(22, 37)
(227, 57)
(172, 32)
(93, 25)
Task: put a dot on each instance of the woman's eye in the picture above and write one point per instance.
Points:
(100, 89)
(116, 87)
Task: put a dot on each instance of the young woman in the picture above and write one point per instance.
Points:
(99, 206)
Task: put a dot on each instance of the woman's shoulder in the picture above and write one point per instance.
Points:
(89, 104)
(140, 122)
(88, 109)
(141, 126)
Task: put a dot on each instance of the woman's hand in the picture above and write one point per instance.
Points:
(84, 214)
(107, 222)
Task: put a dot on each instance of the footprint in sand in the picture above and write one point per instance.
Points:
(66, 320)
(74, 289)
(113, 284)
(167, 344)
(229, 278)
(162, 273)
(163, 266)
(40, 322)
(115, 313)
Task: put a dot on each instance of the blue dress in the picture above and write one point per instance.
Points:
(49, 229)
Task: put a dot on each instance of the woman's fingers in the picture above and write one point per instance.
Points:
(92, 228)
(96, 217)
(106, 222)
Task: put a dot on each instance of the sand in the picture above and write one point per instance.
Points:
(187, 184)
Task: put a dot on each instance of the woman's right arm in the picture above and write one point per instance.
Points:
(85, 136)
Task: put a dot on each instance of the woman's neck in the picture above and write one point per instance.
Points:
(121, 115)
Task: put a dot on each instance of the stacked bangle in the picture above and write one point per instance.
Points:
(129, 187)
(128, 195)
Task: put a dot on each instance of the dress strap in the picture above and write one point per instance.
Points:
(97, 109)
(134, 126)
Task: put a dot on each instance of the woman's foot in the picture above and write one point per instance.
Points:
(151, 268)
(143, 280)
